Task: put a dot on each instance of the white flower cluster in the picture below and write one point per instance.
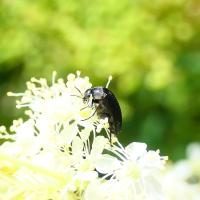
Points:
(182, 179)
(55, 154)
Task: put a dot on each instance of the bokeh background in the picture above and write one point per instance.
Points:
(152, 50)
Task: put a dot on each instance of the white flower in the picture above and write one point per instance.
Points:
(56, 154)
(182, 179)
(134, 173)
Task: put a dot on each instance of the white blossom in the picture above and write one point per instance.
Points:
(134, 172)
(56, 154)
(182, 179)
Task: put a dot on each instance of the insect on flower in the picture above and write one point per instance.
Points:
(105, 105)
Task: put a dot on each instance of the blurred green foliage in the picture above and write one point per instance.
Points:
(152, 49)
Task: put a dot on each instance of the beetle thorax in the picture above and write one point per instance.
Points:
(97, 93)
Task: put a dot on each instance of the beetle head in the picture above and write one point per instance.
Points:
(87, 95)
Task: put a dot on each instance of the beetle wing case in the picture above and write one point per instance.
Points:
(113, 109)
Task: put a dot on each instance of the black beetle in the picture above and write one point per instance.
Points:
(106, 105)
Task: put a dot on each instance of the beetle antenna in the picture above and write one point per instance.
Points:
(73, 95)
(79, 91)
(109, 79)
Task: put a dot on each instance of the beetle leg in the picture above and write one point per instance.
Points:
(84, 107)
(91, 115)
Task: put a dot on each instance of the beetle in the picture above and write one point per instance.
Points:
(106, 105)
